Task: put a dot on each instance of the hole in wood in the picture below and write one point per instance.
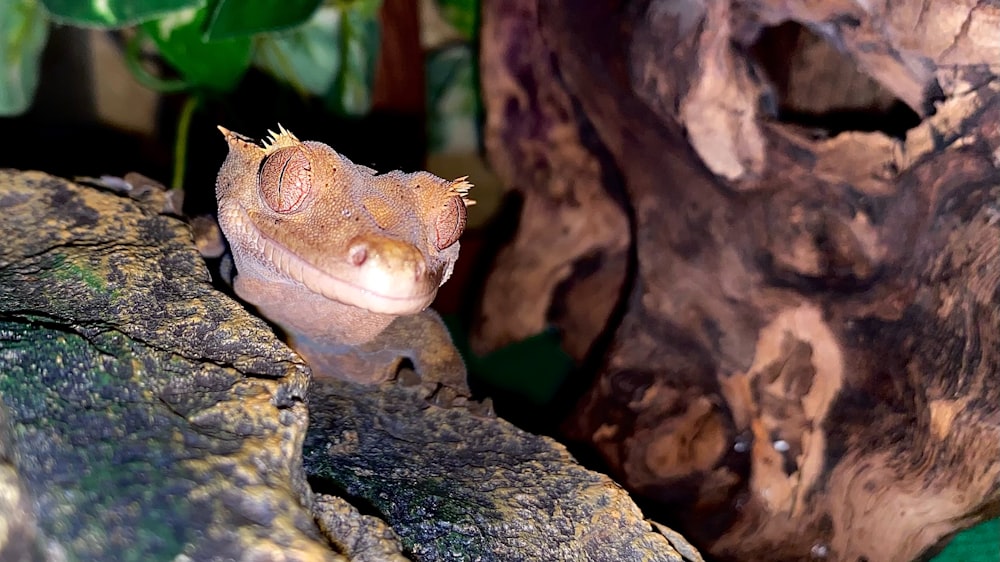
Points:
(819, 87)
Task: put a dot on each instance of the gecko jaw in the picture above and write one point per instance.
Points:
(376, 287)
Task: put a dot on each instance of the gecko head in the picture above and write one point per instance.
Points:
(301, 216)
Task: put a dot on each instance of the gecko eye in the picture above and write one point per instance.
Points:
(285, 178)
(450, 223)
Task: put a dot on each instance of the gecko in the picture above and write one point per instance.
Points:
(344, 260)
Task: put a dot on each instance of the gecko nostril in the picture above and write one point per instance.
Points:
(358, 254)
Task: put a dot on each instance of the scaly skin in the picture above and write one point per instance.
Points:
(333, 252)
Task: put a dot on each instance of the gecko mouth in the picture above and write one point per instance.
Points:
(380, 275)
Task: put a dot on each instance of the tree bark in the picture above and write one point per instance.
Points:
(805, 363)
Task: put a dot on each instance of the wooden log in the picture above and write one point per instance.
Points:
(807, 363)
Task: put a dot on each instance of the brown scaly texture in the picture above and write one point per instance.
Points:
(309, 229)
(807, 365)
(333, 252)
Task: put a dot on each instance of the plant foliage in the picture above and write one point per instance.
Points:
(327, 49)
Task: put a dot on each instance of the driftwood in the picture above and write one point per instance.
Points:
(146, 415)
(804, 324)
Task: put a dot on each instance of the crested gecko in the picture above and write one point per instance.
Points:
(343, 259)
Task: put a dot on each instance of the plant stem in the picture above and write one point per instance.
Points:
(132, 60)
(180, 143)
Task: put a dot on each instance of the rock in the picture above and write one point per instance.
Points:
(146, 412)
(147, 415)
(451, 483)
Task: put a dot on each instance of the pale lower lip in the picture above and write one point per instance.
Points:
(327, 285)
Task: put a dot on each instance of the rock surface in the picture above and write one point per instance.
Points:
(146, 415)
(450, 483)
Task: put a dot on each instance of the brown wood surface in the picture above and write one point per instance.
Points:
(805, 363)
(399, 74)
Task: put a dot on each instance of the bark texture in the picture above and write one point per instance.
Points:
(806, 365)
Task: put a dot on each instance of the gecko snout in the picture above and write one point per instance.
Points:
(388, 258)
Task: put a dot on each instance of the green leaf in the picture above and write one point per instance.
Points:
(358, 37)
(307, 58)
(243, 18)
(113, 13)
(978, 544)
(23, 31)
(452, 100)
(215, 65)
(463, 15)
(333, 55)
